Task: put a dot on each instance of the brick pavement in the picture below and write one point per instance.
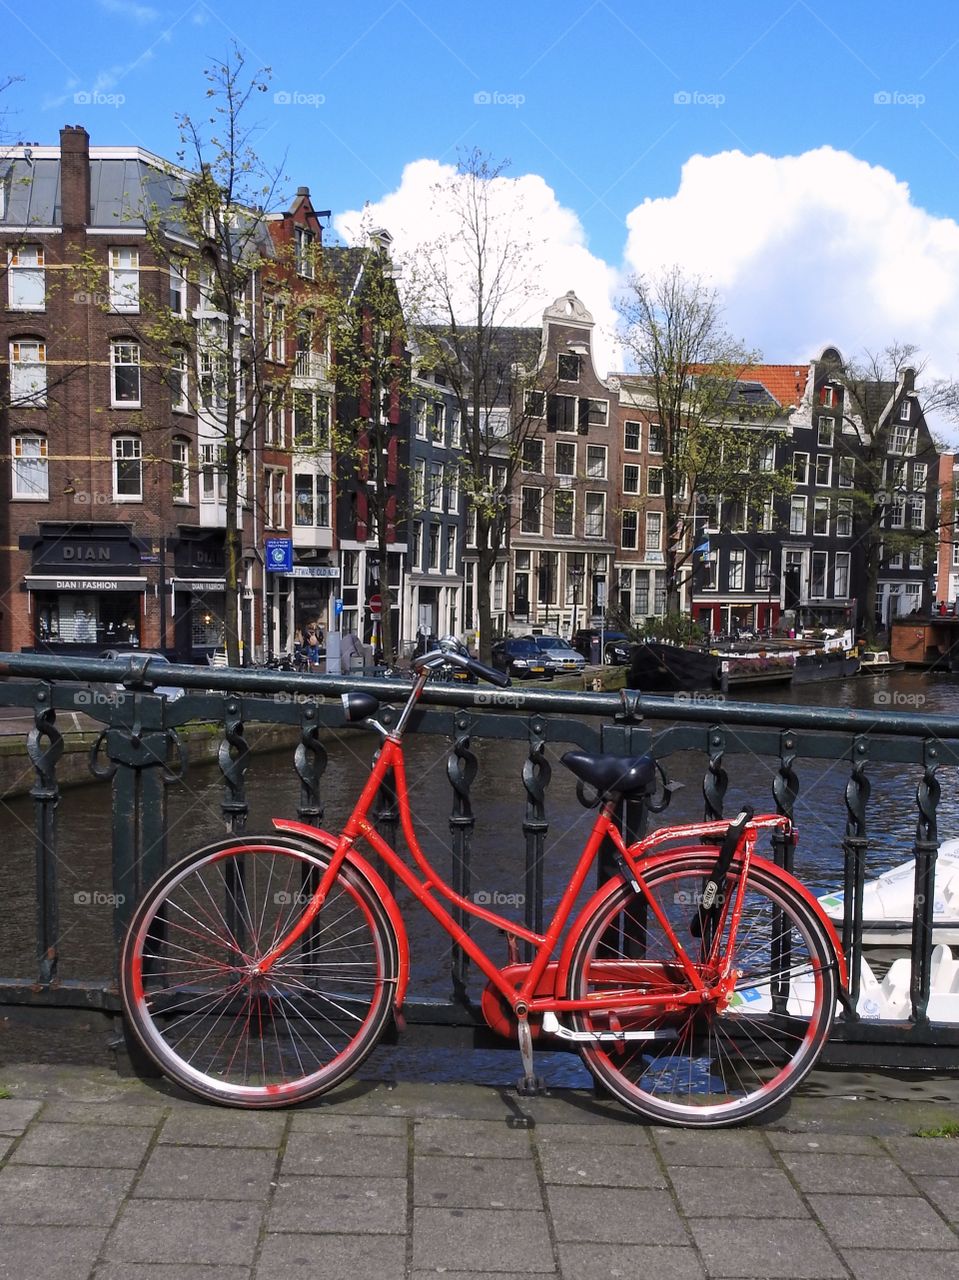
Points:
(109, 1179)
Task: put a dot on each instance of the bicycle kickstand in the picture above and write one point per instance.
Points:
(529, 1085)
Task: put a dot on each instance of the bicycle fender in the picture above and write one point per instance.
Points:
(314, 835)
(611, 886)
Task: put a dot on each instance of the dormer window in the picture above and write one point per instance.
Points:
(905, 411)
(567, 367)
(303, 246)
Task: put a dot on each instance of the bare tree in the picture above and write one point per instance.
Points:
(711, 431)
(467, 290)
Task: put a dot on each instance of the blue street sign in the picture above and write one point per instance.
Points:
(337, 607)
(279, 555)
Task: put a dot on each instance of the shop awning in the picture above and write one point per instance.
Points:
(198, 584)
(83, 582)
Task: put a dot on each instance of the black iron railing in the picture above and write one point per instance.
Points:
(138, 746)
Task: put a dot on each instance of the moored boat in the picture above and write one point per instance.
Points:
(887, 902)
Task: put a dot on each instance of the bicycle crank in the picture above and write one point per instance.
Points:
(553, 1027)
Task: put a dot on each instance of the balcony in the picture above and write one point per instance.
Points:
(309, 364)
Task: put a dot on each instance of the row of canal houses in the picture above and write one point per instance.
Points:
(114, 499)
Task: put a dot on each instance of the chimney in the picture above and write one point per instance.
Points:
(74, 176)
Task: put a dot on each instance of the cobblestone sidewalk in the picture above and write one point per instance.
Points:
(109, 1179)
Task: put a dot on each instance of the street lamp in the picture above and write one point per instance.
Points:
(576, 574)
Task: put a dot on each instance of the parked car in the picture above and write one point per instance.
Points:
(559, 653)
(169, 691)
(616, 645)
(522, 659)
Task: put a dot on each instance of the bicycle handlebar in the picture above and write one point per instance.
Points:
(442, 657)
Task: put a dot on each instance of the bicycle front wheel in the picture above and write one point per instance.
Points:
(728, 1059)
(226, 1033)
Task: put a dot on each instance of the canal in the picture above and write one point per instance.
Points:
(83, 839)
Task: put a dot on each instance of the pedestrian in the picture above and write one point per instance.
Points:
(311, 639)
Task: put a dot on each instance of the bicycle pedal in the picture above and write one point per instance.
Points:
(530, 1086)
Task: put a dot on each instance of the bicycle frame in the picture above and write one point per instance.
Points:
(429, 883)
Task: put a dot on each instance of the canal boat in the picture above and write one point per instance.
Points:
(887, 903)
(658, 667)
(876, 662)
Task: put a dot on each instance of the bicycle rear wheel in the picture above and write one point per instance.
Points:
(228, 1034)
(707, 1065)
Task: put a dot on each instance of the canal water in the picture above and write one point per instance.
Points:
(83, 838)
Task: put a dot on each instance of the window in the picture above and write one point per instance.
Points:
(212, 473)
(438, 422)
(844, 518)
(915, 558)
(450, 563)
(561, 413)
(919, 473)
(275, 330)
(595, 519)
(711, 508)
(902, 439)
(547, 578)
(26, 278)
(797, 515)
(531, 515)
(125, 361)
(180, 470)
(897, 511)
(655, 437)
(178, 287)
(632, 436)
(841, 575)
(28, 373)
(767, 456)
(596, 461)
(29, 455)
(274, 497)
(654, 482)
(453, 429)
(564, 504)
(654, 533)
(630, 530)
(820, 518)
(905, 411)
(895, 561)
(532, 457)
(436, 531)
(303, 249)
(534, 404)
(497, 424)
(451, 489)
(434, 486)
(416, 545)
(737, 569)
(768, 513)
(180, 380)
(124, 279)
(917, 513)
(311, 496)
(127, 469)
(419, 419)
(827, 397)
(418, 487)
(738, 515)
(565, 459)
(210, 380)
(567, 368)
(597, 411)
(801, 468)
(761, 571)
(311, 420)
(710, 562)
(632, 477)
(824, 470)
(847, 472)
(825, 429)
(818, 575)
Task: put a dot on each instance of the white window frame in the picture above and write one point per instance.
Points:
(825, 427)
(840, 574)
(847, 471)
(564, 444)
(178, 286)
(537, 444)
(180, 380)
(212, 473)
(118, 346)
(434, 546)
(638, 433)
(303, 241)
(127, 450)
(820, 506)
(180, 467)
(24, 462)
(767, 456)
(844, 516)
(590, 522)
(651, 435)
(633, 518)
(599, 451)
(537, 508)
(905, 409)
(26, 278)
(797, 514)
(565, 495)
(632, 484)
(124, 278)
(736, 572)
(654, 482)
(28, 392)
(805, 474)
(762, 569)
(824, 458)
(573, 416)
(654, 532)
(920, 476)
(823, 557)
(917, 506)
(828, 397)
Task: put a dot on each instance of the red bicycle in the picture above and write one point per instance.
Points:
(699, 984)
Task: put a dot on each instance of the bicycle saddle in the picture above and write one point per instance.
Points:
(620, 774)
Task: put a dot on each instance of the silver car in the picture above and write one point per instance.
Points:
(559, 653)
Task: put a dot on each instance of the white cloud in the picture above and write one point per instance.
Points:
(808, 250)
(140, 13)
(415, 213)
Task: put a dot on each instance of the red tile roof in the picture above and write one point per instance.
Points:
(784, 382)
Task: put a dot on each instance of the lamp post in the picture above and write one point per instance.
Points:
(576, 573)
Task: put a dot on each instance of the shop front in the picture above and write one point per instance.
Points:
(86, 588)
(312, 595)
(197, 594)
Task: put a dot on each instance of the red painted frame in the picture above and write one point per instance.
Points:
(523, 998)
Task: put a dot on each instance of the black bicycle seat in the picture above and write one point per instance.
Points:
(621, 775)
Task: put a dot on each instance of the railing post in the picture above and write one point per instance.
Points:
(926, 851)
(46, 795)
(716, 780)
(461, 770)
(855, 846)
(536, 777)
(310, 760)
(785, 792)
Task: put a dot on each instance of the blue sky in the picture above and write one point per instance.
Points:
(606, 102)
